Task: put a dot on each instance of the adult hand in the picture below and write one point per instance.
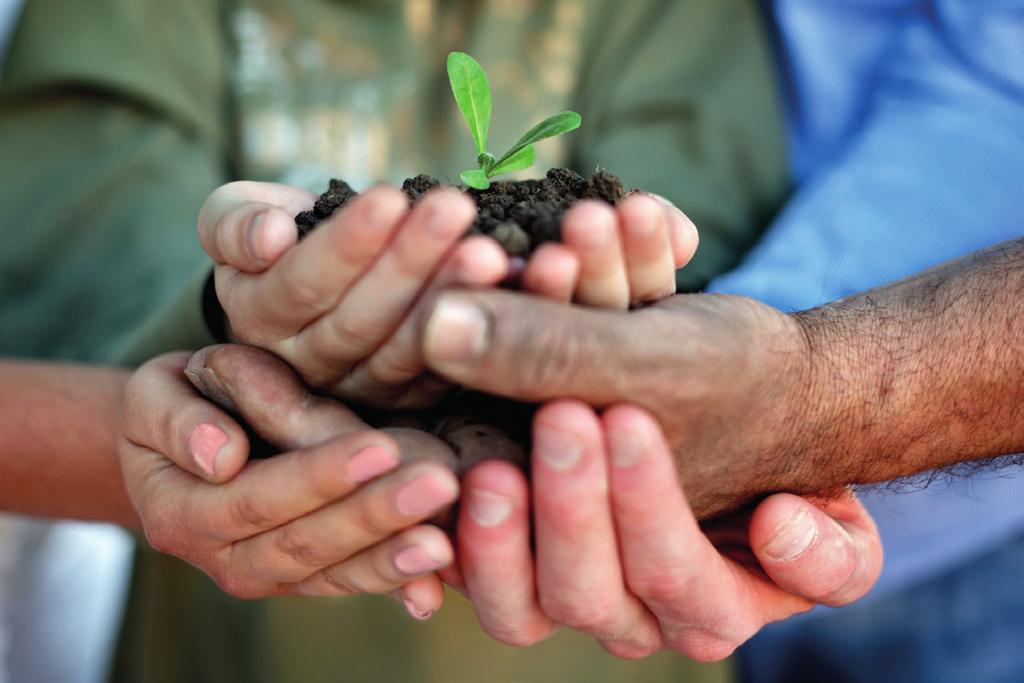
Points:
(620, 556)
(726, 377)
(337, 306)
(338, 514)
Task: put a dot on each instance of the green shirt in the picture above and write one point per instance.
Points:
(118, 117)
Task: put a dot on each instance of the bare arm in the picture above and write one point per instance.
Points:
(920, 374)
(923, 373)
(58, 442)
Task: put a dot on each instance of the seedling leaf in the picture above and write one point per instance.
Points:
(524, 158)
(475, 178)
(549, 127)
(473, 95)
(486, 161)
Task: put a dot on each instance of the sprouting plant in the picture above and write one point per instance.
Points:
(473, 95)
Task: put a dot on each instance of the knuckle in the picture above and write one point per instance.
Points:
(661, 585)
(353, 334)
(629, 649)
(522, 636)
(237, 586)
(302, 291)
(590, 616)
(550, 353)
(703, 648)
(336, 584)
(245, 511)
(162, 538)
(369, 523)
(292, 542)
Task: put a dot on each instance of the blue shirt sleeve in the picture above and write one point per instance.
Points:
(933, 169)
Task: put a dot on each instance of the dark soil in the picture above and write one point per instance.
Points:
(520, 215)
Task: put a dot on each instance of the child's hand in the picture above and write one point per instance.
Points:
(610, 258)
(327, 304)
(338, 306)
(614, 257)
(340, 514)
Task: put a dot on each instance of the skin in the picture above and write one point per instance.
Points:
(591, 570)
(341, 305)
(306, 522)
(896, 381)
(642, 577)
(58, 435)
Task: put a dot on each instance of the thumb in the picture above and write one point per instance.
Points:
(828, 551)
(526, 348)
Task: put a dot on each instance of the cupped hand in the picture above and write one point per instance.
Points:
(726, 377)
(343, 511)
(621, 557)
(340, 306)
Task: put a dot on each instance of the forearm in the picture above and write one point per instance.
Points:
(924, 373)
(58, 442)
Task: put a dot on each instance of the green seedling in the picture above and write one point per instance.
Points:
(473, 95)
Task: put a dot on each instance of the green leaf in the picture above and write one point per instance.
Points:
(548, 128)
(524, 158)
(486, 161)
(476, 179)
(473, 95)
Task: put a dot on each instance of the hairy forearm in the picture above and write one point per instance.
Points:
(921, 374)
(58, 442)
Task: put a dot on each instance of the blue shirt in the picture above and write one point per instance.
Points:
(906, 128)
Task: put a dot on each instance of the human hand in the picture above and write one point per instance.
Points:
(620, 556)
(726, 377)
(338, 306)
(342, 512)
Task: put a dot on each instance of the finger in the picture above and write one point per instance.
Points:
(190, 518)
(381, 379)
(335, 533)
(523, 347)
(650, 264)
(590, 229)
(371, 311)
(408, 555)
(163, 413)
(682, 231)
(493, 538)
(829, 553)
(269, 396)
(268, 493)
(423, 596)
(552, 272)
(705, 604)
(309, 280)
(579, 575)
(248, 225)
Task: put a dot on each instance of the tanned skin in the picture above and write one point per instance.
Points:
(924, 373)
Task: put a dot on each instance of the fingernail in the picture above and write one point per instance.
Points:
(414, 612)
(487, 508)
(558, 449)
(793, 538)
(627, 448)
(370, 462)
(600, 234)
(205, 443)
(206, 381)
(457, 331)
(251, 237)
(273, 237)
(423, 495)
(415, 560)
(437, 221)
